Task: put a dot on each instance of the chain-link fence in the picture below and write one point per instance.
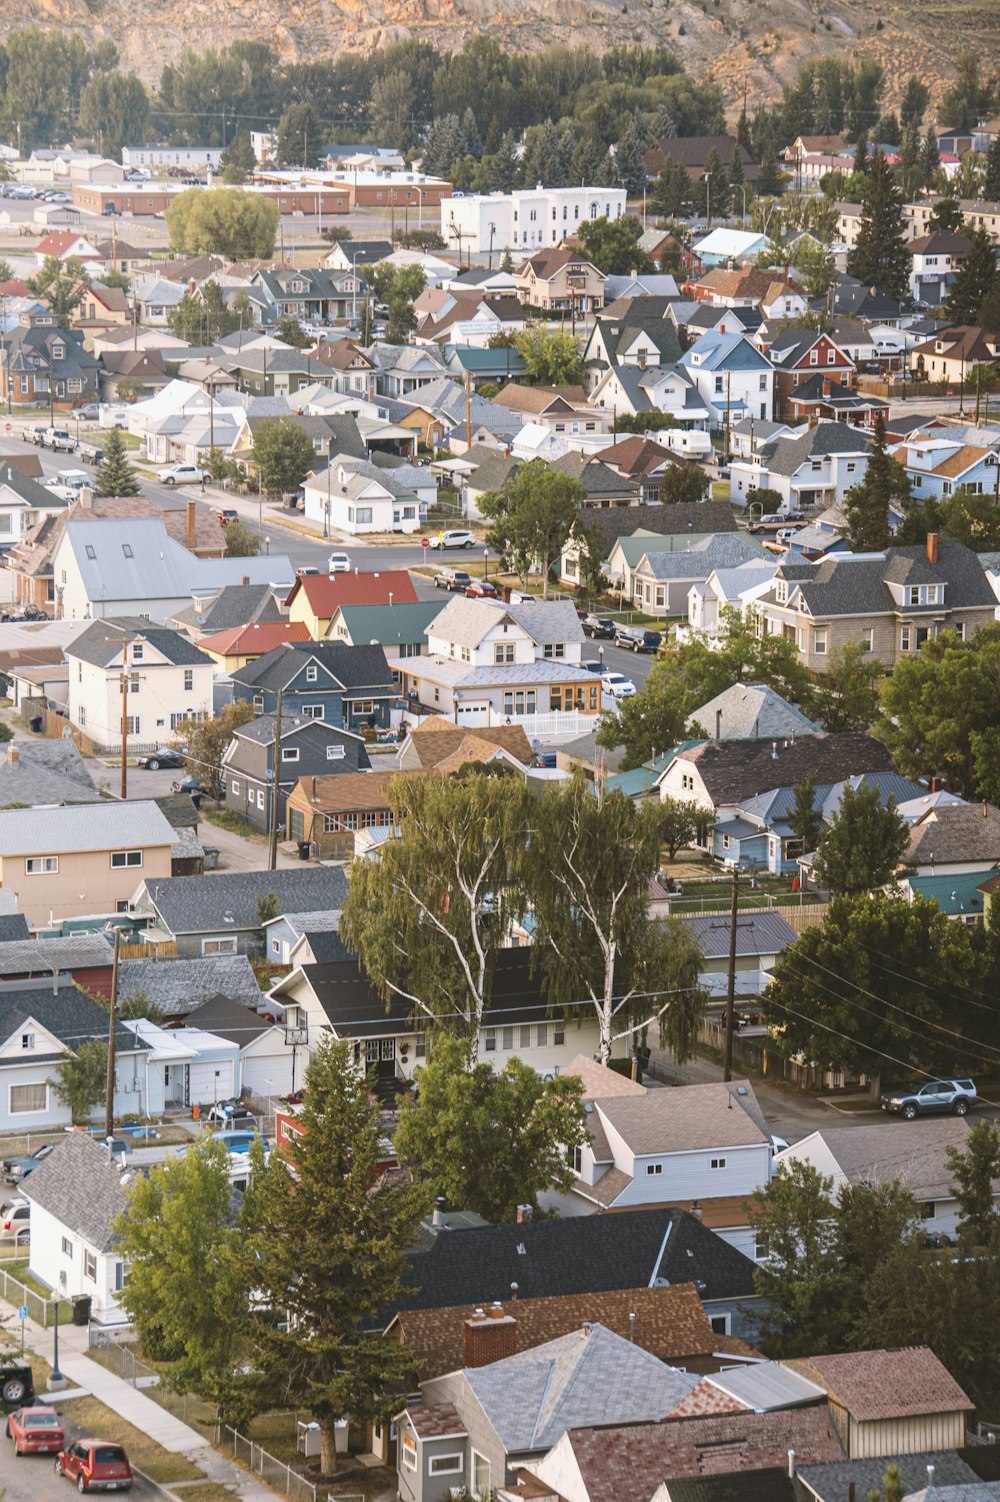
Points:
(275, 1472)
(113, 1349)
(40, 1309)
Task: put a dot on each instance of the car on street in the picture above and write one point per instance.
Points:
(228, 514)
(91, 453)
(15, 1215)
(771, 519)
(90, 413)
(232, 1113)
(481, 589)
(35, 1431)
(599, 627)
(96, 1465)
(189, 784)
(182, 474)
(163, 756)
(593, 667)
(338, 563)
(954, 1095)
(521, 597)
(59, 440)
(452, 579)
(637, 638)
(17, 1384)
(453, 539)
(617, 685)
(16, 1170)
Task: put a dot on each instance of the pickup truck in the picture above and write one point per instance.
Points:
(35, 433)
(91, 453)
(59, 440)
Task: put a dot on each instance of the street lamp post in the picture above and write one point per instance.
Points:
(267, 545)
(57, 1375)
(486, 564)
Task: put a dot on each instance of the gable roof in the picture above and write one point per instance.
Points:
(437, 741)
(701, 558)
(467, 621)
(255, 639)
(677, 520)
(45, 772)
(701, 1116)
(832, 1481)
(74, 951)
(746, 710)
(955, 832)
(80, 1188)
(325, 592)
(101, 643)
(228, 900)
(758, 932)
(228, 1019)
(402, 621)
(68, 1013)
(83, 826)
(735, 770)
(917, 1158)
(877, 1385)
(349, 667)
(178, 986)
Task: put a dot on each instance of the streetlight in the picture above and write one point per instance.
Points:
(486, 564)
(57, 1375)
(267, 545)
(600, 658)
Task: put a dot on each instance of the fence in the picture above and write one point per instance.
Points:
(765, 1060)
(39, 1308)
(111, 1348)
(275, 1472)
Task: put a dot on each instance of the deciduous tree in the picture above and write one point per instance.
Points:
(283, 455)
(683, 483)
(550, 359)
(61, 285)
(398, 287)
(222, 221)
(613, 245)
(863, 845)
(205, 741)
(846, 698)
(793, 1221)
(114, 108)
(533, 515)
(241, 541)
(82, 1079)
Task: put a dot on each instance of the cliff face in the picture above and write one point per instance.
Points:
(745, 45)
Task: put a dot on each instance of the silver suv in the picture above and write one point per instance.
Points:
(936, 1095)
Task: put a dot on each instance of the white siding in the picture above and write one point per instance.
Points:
(687, 1176)
(212, 1080)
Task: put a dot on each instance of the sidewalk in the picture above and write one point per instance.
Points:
(89, 1377)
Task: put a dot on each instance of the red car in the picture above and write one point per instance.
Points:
(98, 1465)
(35, 1431)
(481, 589)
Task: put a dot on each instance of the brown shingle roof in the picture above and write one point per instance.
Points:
(347, 791)
(877, 1385)
(676, 1121)
(967, 455)
(734, 770)
(635, 455)
(537, 398)
(955, 832)
(435, 1420)
(601, 1083)
(437, 740)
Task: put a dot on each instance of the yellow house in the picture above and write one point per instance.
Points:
(83, 858)
(239, 645)
(561, 280)
(315, 598)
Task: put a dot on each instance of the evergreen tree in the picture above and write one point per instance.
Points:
(631, 149)
(503, 165)
(991, 178)
(717, 180)
(736, 173)
(861, 155)
(975, 279)
(115, 475)
(324, 1243)
(880, 257)
(913, 106)
(909, 157)
(930, 155)
(863, 846)
(867, 504)
(946, 214)
(771, 181)
(806, 820)
(664, 125)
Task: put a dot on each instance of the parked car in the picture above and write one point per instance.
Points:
(189, 784)
(637, 638)
(936, 1095)
(598, 626)
(772, 519)
(338, 563)
(34, 433)
(453, 539)
(593, 667)
(90, 413)
(15, 1215)
(228, 514)
(182, 474)
(35, 1431)
(232, 1113)
(521, 597)
(16, 1170)
(17, 1384)
(163, 756)
(97, 1465)
(481, 589)
(617, 685)
(59, 440)
(235, 1141)
(452, 579)
(91, 453)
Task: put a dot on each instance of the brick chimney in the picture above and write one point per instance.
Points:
(190, 527)
(826, 388)
(932, 546)
(490, 1335)
(524, 1214)
(13, 755)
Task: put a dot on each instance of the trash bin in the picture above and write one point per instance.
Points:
(35, 724)
(303, 850)
(196, 1112)
(81, 1308)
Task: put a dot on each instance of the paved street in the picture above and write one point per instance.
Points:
(32, 1478)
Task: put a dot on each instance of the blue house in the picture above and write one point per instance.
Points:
(938, 466)
(347, 687)
(732, 377)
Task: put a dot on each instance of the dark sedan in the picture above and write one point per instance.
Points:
(163, 756)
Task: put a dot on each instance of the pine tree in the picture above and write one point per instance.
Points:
(930, 155)
(909, 157)
(861, 155)
(991, 179)
(115, 475)
(717, 182)
(867, 504)
(880, 257)
(629, 155)
(770, 182)
(736, 174)
(325, 1244)
(976, 278)
(503, 164)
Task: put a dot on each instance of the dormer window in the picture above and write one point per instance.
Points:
(58, 351)
(312, 673)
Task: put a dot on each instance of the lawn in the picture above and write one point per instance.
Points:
(162, 1465)
(19, 1270)
(202, 1492)
(235, 823)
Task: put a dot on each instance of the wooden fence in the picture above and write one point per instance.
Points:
(164, 951)
(762, 1057)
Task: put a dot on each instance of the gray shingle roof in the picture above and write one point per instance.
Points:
(916, 1157)
(847, 585)
(756, 933)
(702, 1116)
(13, 927)
(749, 709)
(79, 1187)
(79, 951)
(228, 1019)
(784, 455)
(697, 562)
(101, 643)
(235, 605)
(179, 986)
(733, 771)
(46, 772)
(85, 826)
(67, 1013)
(205, 904)
(353, 667)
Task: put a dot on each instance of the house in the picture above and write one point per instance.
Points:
(316, 296)
(353, 496)
(467, 316)
(760, 939)
(667, 389)
(799, 353)
(676, 526)
(771, 292)
(315, 598)
(637, 338)
(355, 373)
(937, 258)
(44, 772)
(169, 682)
(489, 662)
(604, 486)
(892, 602)
(954, 840)
(748, 711)
(890, 1402)
(726, 247)
(77, 1196)
(230, 607)
(641, 461)
(937, 465)
(951, 1468)
(323, 812)
(191, 1066)
(305, 939)
(65, 245)
(435, 744)
(89, 856)
(722, 774)
(819, 399)
(480, 223)
(176, 988)
(661, 581)
(400, 629)
(692, 153)
(732, 377)
(500, 365)
(220, 914)
(405, 369)
(814, 466)
(134, 373)
(560, 280)
(912, 1153)
(233, 649)
(23, 504)
(323, 680)
(502, 1413)
(84, 957)
(952, 352)
(309, 748)
(727, 589)
(346, 255)
(39, 364)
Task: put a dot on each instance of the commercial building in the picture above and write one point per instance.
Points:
(530, 218)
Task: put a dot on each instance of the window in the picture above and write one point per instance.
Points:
(27, 1040)
(82, 715)
(578, 1160)
(525, 1034)
(928, 1210)
(762, 386)
(653, 1169)
(312, 711)
(225, 945)
(127, 550)
(90, 550)
(445, 1465)
(503, 651)
(904, 639)
(67, 1248)
(312, 673)
(717, 1163)
(490, 1040)
(819, 643)
(24, 1099)
(289, 753)
(260, 798)
(814, 357)
(409, 1452)
(336, 753)
(132, 724)
(868, 639)
(507, 1039)
(720, 1324)
(363, 515)
(123, 859)
(235, 786)
(89, 1265)
(41, 865)
(554, 649)
(331, 823)
(188, 680)
(480, 1465)
(258, 703)
(558, 1034)
(543, 1034)
(718, 384)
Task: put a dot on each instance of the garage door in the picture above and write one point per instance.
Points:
(272, 1075)
(206, 1087)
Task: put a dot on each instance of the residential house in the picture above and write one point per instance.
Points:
(323, 812)
(132, 374)
(799, 353)
(727, 589)
(466, 316)
(667, 389)
(638, 337)
(309, 748)
(641, 461)
(23, 504)
(955, 839)
(47, 365)
(466, 421)
(400, 629)
(435, 744)
(937, 466)
(44, 772)
(191, 1067)
(230, 607)
(604, 486)
(640, 284)
(488, 662)
(90, 856)
(220, 914)
(751, 711)
(499, 365)
(936, 258)
(728, 247)
(346, 255)
(964, 899)
(484, 1421)
(354, 372)
(811, 467)
(890, 1402)
(819, 399)
(266, 1056)
(65, 245)
(102, 308)
(313, 296)
(661, 581)
(353, 496)
(156, 297)
(560, 280)
(305, 939)
(169, 682)
(677, 526)
(315, 598)
(77, 1196)
(892, 602)
(951, 1469)
(733, 378)
(177, 987)
(950, 354)
(405, 369)
(692, 153)
(233, 649)
(771, 291)
(760, 939)
(559, 409)
(325, 680)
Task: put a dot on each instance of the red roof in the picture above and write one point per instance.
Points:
(326, 591)
(256, 639)
(14, 288)
(59, 241)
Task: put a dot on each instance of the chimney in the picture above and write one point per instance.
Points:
(245, 579)
(718, 724)
(585, 1329)
(696, 1209)
(791, 1463)
(932, 546)
(490, 1335)
(826, 388)
(524, 1214)
(513, 1293)
(13, 755)
(986, 809)
(85, 498)
(930, 1477)
(631, 1328)
(438, 1220)
(190, 533)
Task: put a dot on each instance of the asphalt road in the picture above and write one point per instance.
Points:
(32, 1478)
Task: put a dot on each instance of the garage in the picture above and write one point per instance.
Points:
(212, 1080)
(268, 1066)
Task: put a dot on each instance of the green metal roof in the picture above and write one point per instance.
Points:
(387, 624)
(954, 895)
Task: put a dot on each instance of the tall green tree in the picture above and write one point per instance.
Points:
(428, 918)
(805, 819)
(846, 698)
(204, 316)
(991, 178)
(323, 1244)
(398, 287)
(683, 483)
(115, 475)
(589, 862)
(533, 515)
(298, 136)
(238, 160)
(716, 180)
(975, 1170)
(283, 455)
(613, 245)
(975, 279)
(241, 541)
(206, 741)
(654, 719)
(863, 845)
(222, 221)
(490, 1139)
(61, 285)
(114, 108)
(916, 98)
(793, 1222)
(880, 257)
(81, 1082)
(867, 504)
(969, 99)
(550, 359)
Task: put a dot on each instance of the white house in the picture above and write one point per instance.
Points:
(23, 503)
(531, 217)
(186, 1066)
(728, 588)
(733, 378)
(813, 466)
(76, 1197)
(354, 496)
(170, 680)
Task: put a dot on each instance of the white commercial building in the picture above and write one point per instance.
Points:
(159, 158)
(525, 220)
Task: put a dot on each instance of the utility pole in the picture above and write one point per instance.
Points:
(272, 852)
(109, 1093)
(124, 783)
(729, 381)
(468, 408)
(727, 1072)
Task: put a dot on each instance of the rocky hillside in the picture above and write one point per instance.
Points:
(751, 44)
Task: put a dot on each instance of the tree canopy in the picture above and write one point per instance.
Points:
(550, 359)
(61, 285)
(283, 455)
(533, 515)
(222, 221)
(205, 741)
(862, 846)
(613, 244)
